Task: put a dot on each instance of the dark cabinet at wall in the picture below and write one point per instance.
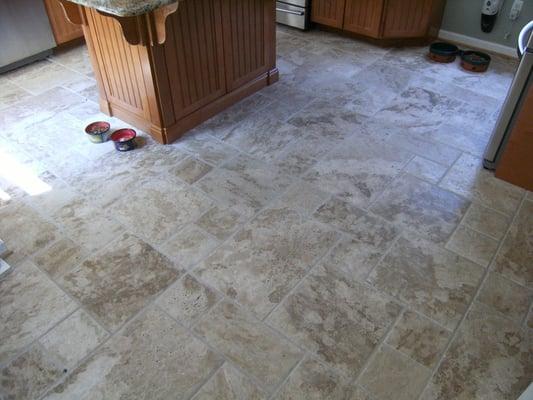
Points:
(381, 19)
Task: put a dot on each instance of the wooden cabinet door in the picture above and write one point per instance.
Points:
(407, 18)
(249, 40)
(64, 31)
(328, 12)
(364, 17)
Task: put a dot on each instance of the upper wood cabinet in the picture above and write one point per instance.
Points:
(64, 31)
(363, 17)
(328, 12)
(381, 19)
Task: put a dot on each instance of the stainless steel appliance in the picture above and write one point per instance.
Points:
(295, 13)
(25, 33)
(519, 88)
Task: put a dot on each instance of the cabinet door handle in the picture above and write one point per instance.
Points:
(300, 13)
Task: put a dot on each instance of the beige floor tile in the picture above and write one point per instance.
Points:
(415, 204)
(249, 344)
(87, 225)
(159, 208)
(29, 376)
(468, 178)
(393, 376)
(301, 154)
(303, 197)
(490, 358)
(229, 384)
(189, 246)
(188, 300)
(30, 304)
(311, 380)
(61, 257)
(10, 93)
(152, 358)
(206, 148)
(118, 282)
(425, 169)
(472, 245)
(419, 338)
(266, 258)
(516, 253)
(190, 170)
(358, 170)
(432, 280)
(505, 296)
(246, 183)
(486, 220)
(220, 222)
(24, 231)
(339, 320)
(73, 338)
(76, 58)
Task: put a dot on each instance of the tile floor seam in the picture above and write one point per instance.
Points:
(281, 385)
(472, 301)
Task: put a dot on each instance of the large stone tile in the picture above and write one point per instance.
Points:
(61, 257)
(152, 358)
(419, 338)
(473, 245)
(10, 93)
(189, 246)
(29, 376)
(486, 221)
(358, 170)
(160, 208)
(249, 344)
(118, 282)
(516, 253)
(311, 380)
(24, 231)
(188, 300)
(229, 384)
(87, 225)
(468, 178)
(73, 339)
(414, 204)
(393, 376)
(206, 148)
(30, 304)
(505, 296)
(76, 58)
(190, 170)
(220, 222)
(489, 359)
(263, 261)
(426, 169)
(246, 183)
(338, 319)
(432, 280)
(303, 197)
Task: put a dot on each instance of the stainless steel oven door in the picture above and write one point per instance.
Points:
(291, 15)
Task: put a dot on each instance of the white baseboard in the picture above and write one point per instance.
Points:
(478, 43)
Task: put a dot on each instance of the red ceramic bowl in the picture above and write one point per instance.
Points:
(124, 139)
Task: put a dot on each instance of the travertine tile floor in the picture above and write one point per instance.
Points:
(332, 237)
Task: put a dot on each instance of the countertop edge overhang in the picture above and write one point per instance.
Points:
(125, 8)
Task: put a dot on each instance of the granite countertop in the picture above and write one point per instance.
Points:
(124, 8)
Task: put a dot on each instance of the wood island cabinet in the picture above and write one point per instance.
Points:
(383, 20)
(171, 69)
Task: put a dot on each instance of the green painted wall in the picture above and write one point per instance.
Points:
(463, 17)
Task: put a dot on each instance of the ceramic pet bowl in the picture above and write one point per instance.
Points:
(124, 139)
(98, 131)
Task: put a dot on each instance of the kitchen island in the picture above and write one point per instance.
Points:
(165, 66)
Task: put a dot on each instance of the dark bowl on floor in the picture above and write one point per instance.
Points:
(98, 131)
(124, 139)
(475, 61)
(443, 52)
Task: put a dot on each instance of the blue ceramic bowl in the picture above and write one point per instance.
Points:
(124, 139)
(98, 131)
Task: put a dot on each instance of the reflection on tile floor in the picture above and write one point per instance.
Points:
(331, 237)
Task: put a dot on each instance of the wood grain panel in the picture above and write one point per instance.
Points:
(516, 163)
(64, 31)
(248, 37)
(120, 65)
(194, 56)
(328, 12)
(363, 17)
(407, 18)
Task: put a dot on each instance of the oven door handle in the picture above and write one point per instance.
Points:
(300, 13)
